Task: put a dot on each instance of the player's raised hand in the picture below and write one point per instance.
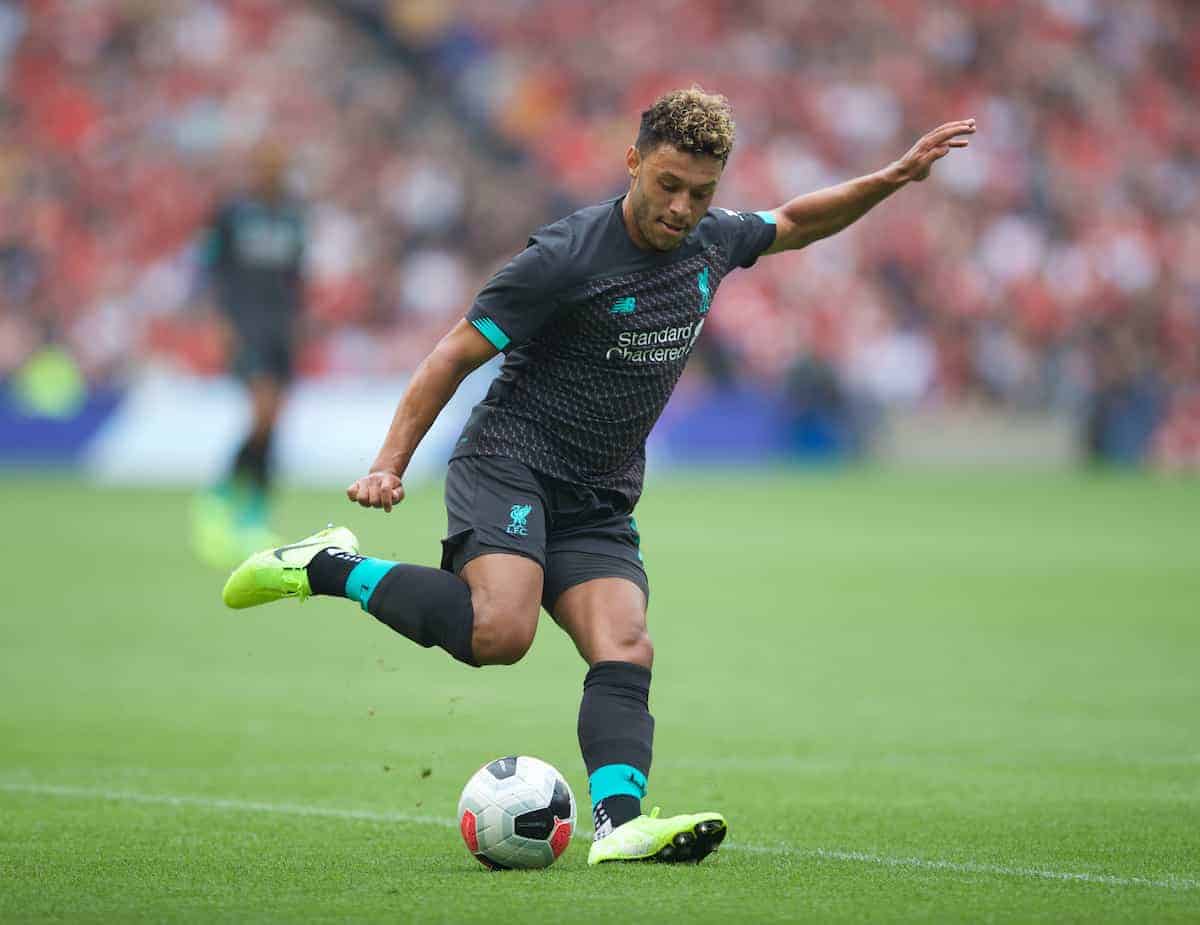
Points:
(915, 165)
(378, 489)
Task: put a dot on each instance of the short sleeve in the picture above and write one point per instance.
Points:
(746, 235)
(300, 220)
(523, 295)
(215, 246)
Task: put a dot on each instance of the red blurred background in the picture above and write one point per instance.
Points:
(1052, 268)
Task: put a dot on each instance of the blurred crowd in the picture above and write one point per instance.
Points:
(126, 123)
(1056, 264)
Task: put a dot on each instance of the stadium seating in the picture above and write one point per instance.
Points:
(1059, 260)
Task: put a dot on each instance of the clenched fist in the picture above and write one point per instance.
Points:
(378, 489)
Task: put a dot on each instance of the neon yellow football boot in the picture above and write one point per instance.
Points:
(274, 574)
(677, 839)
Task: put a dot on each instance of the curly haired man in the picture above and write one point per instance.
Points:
(597, 317)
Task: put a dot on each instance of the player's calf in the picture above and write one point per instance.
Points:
(429, 606)
(616, 737)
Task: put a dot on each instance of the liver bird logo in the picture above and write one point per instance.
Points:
(517, 516)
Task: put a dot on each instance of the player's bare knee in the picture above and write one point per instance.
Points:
(632, 646)
(641, 650)
(501, 636)
(502, 645)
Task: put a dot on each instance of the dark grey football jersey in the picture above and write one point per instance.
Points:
(596, 333)
(256, 253)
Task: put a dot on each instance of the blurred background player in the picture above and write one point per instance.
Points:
(255, 256)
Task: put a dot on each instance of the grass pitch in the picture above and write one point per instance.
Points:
(914, 697)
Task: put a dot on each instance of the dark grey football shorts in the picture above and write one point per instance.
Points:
(262, 356)
(575, 533)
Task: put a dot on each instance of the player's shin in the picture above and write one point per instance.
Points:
(245, 487)
(252, 464)
(616, 736)
(429, 606)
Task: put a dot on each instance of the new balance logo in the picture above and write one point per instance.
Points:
(626, 306)
(517, 517)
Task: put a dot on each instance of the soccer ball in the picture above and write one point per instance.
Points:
(516, 812)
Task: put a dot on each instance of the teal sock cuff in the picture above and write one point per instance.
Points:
(616, 779)
(253, 511)
(361, 582)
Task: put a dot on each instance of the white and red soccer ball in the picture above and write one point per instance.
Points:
(516, 812)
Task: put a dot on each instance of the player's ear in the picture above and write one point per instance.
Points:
(633, 160)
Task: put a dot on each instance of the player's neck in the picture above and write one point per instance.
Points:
(631, 227)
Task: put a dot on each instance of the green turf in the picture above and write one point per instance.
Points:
(915, 698)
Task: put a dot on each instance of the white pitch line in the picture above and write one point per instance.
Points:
(367, 815)
(246, 806)
(972, 867)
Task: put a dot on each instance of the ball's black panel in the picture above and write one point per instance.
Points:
(538, 823)
(489, 863)
(503, 767)
(560, 803)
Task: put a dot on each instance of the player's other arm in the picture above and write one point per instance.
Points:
(211, 285)
(456, 355)
(818, 215)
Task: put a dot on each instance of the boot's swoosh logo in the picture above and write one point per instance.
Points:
(282, 549)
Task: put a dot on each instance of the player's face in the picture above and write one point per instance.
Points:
(669, 193)
(270, 165)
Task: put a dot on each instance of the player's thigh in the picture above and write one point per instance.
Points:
(505, 593)
(264, 364)
(266, 398)
(606, 619)
(596, 586)
(496, 541)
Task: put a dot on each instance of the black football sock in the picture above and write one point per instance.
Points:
(329, 569)
(616, 736)
(429, 606)
(613, 811)
(249, 481)
(252, 464)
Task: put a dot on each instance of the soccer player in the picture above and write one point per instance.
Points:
(255, 255)
(597, 317)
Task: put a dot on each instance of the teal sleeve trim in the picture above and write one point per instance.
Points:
(768, 217)
(210, 249)
(361, 582)
(616, 779)
(489, 329)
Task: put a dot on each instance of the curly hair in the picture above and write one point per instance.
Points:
(692, 121)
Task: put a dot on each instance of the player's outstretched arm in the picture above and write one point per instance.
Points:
(818, 215)
(457, 354)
